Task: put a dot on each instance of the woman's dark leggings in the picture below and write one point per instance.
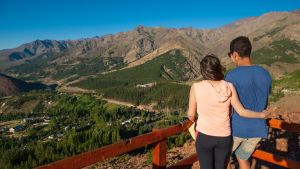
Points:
(213, 151)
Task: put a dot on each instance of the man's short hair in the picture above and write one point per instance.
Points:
(241, 45)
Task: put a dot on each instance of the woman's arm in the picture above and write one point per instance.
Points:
(192, 104)
(236, 104)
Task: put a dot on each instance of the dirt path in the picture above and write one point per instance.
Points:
(76, 90)
(124, 103)
(119, 102)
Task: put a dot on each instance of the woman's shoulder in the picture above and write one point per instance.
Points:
(199, 83)
(201, 86)
(228, 83)
(231, 86)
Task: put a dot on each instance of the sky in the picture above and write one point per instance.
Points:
(23, 21)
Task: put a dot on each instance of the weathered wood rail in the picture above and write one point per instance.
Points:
(158, 138)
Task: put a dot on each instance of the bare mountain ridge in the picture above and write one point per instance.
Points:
(144, 43)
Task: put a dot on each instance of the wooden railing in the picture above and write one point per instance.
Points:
(158, 138)
(258, 154)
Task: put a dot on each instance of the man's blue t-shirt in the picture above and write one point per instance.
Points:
(253, 85)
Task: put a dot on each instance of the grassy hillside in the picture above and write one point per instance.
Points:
(270, 33)
(285, 51)
(89, 67)
(171, 66)
(33, 69)
(36, 67)
(290, 82)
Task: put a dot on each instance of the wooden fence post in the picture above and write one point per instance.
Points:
(159, 154)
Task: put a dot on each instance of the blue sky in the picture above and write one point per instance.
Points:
(23, 21)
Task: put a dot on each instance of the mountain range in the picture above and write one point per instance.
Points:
(275, 37)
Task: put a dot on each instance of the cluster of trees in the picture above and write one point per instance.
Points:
(28, 154)
(12, 116)
(85, 122)
(166, 95)
(16, 102)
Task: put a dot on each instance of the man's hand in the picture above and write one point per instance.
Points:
(192, 118)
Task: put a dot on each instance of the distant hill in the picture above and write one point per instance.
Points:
(10, 85)
(171, 66)
(275, 39)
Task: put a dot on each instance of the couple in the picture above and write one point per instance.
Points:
(246, 88)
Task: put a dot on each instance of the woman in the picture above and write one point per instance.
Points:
(211, 99)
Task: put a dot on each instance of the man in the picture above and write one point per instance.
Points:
(253, 84)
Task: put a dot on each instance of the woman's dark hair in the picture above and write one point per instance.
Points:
(211, 68)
